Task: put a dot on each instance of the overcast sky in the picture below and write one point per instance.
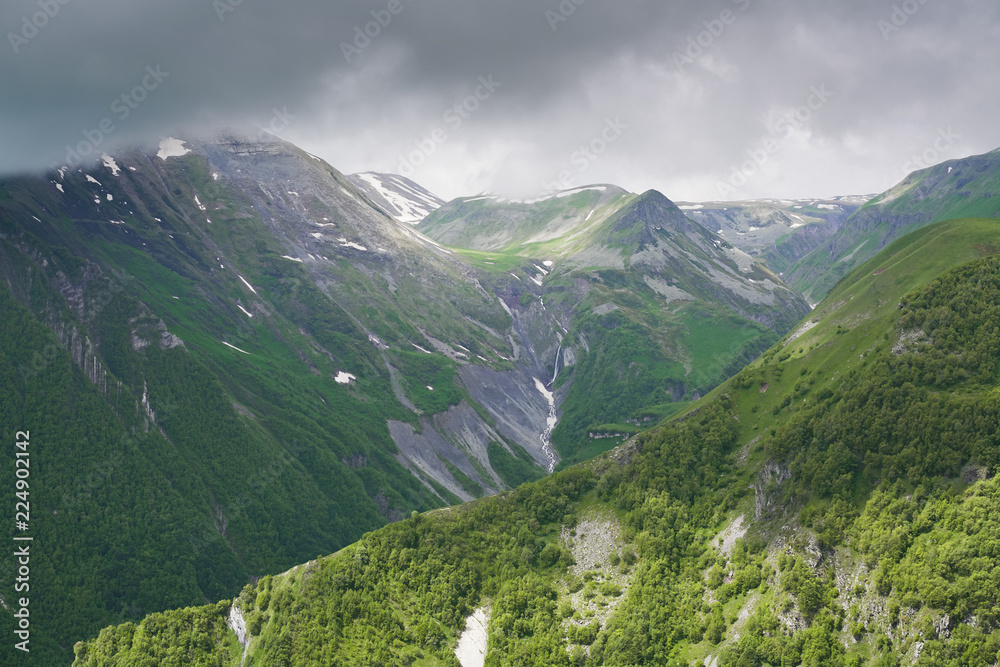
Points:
(725, 99)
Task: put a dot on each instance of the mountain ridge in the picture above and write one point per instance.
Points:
(775, 521)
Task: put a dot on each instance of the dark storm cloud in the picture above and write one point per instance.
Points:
(705, 96)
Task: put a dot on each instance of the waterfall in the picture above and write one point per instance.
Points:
(550, 423)
(555, 371)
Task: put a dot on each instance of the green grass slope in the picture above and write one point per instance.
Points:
(857, 457)
(964, 188)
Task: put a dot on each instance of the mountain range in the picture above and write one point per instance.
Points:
(233, 358)
(833, 504)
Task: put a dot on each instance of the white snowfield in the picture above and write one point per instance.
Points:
(171, 147)
(413, 206)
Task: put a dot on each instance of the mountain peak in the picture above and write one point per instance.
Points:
(403, 199)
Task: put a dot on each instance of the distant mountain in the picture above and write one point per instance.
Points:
(778, 231)
(397, 195)
(963, 188)
(558, 222)
(634, 284)
(230, 358)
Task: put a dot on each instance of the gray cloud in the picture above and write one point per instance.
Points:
(697, 90)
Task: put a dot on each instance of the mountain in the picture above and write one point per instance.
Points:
(230, 359)
(397, 195)
(555, 223)
(835, 503)
(778, 231)
(652, 308)
(961, 188)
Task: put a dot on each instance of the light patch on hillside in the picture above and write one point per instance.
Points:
(851, 256)
(734, 531)
(666, 290)
(471, 648)
(171, 147)
(802, 330)
(110, 163)
(596, 545)
(605, 308)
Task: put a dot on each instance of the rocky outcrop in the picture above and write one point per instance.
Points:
(766, 487)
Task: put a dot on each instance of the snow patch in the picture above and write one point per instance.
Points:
(245, 311)
(59, 187)
(235, 348)
(91, 179)
(695, 207)
(294, 259)
(111, 197)
(410, 206)
(198, 202)
(171, 147)
(110, 163)
(344, 378)
(348, 244)
(570, 193)
(247, 284)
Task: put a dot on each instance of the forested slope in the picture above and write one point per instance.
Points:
(834, 504)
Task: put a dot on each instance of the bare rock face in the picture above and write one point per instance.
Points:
(765, 488)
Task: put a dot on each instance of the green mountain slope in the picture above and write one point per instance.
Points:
(833, 504)
(779, 231)
(651, 308)
(964, 188)
(232, 361)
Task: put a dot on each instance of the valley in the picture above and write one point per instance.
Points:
(616, 398)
